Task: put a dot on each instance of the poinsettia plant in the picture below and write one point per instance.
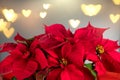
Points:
(59, 54)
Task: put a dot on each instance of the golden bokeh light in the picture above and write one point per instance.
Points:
(91, 9)
(114, 18)
(43, 14)
(26, 13)
(10, 15)
(74, 23)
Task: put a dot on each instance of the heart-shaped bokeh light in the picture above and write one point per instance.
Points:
(46, 6)
(43, 14)
(116, 2)
(26, 13)
(114, 18)
(9, 14)
(74, 23)
(91, 9)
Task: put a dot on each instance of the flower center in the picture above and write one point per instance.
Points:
(63, 61)
(99, 49)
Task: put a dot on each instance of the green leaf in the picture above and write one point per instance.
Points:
(13, 78)
(90, 67)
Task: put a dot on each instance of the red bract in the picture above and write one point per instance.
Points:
(7, 47)
(89, 33)
(55, 36)
(109, 76)
(7, 76)
(24, 60)
(103, 74)
(66, 63)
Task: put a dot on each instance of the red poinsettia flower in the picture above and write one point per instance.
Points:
(24, 60)
(108, 54)
(55, 35)
(104, 51)
(88, 35)
(99, 49)
(66, 63)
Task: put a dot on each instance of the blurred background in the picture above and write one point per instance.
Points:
(27, 17)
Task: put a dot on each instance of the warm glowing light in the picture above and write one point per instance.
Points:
(3, 24)
(114, 18)
(46, 6)
(116, 2)
(91, 9)
(26, 13)
(74, 23)
(10, 15)
(8, 32)
(43, 14)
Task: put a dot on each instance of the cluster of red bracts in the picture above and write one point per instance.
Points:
(59, 54)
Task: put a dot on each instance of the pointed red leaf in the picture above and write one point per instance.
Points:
(109, 76)
(6, 47)
(41, 59)
(23, 69)
(6, 64)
